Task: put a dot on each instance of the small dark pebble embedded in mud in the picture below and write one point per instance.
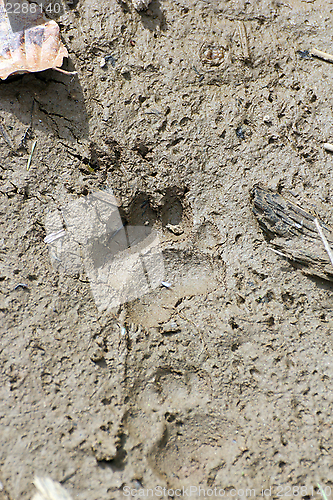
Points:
(303, 54)
(111, 59)
(240, 133)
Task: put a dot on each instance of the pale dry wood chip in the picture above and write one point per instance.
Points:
(49, 490)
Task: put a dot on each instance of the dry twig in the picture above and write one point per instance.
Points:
(324, 240)
(328, 147)
(322, 55)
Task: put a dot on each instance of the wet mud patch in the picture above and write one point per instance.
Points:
(222, 375)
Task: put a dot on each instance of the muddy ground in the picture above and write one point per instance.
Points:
(223, 379)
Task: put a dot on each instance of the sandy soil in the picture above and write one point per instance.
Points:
(225, 378)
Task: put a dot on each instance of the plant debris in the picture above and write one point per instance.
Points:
(292, 232)
(28, 41)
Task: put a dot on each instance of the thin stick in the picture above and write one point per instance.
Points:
(326, 245)
(65, 72)
(6, 136)
(30, 157)
(55, 236)
(244, 40)
(322, 55)
(277, 251)
(23, 143)
(322, 492)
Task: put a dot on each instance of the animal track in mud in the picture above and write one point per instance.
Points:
(191, 264)
(141, 212)
(171, 394)
(190, 448)
(172, 214)
(172, 209)
(190, 273)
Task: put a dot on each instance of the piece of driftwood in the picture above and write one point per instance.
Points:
(28, 41)
(292, 232)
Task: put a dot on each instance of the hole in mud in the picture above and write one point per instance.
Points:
(106, 401)
(172, 210)
(141, 148)
(233, 324)
(254, 371)
(270, 321)
(184, 121)
(235, 346)
(72, 4)
(101, 363)
(287, 298)
(141, 212)
(169, 417)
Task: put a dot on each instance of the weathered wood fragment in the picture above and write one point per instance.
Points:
(292, 232)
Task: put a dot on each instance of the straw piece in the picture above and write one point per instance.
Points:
(324, 240)
(328, 147)
(322, 55)
(30, 157)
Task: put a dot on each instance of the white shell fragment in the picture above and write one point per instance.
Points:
(49, 490)
(28, 41)
(141, 4)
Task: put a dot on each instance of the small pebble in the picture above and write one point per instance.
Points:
(170, 327)
(328, 147)
(175, 229)
(140, 4)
